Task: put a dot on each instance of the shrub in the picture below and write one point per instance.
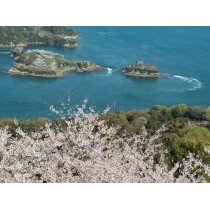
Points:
(196, 113)
(190, 139)
(206, 114)
(179, 110)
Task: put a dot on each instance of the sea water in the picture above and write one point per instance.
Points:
(182, 53)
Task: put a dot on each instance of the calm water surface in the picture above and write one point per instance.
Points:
(181, 52)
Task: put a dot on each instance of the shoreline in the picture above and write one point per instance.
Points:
(13, 46)
(13, 71)
(17, 72)
(39, 43)
(144, 75)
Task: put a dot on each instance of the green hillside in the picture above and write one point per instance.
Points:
(11, 36)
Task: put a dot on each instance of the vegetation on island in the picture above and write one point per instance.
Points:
(141, 69)
(45, 63)
(12, 36)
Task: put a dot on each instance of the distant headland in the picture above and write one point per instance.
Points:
(21, 36)
(141, 69)
(46, 64)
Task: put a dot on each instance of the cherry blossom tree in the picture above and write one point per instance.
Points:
(88, 150)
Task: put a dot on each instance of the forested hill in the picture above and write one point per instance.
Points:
(12, 36)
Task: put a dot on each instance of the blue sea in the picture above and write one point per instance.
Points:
(183, 53)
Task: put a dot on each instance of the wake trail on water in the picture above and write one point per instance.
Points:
(196, 84)
(108, 72)
(180, 83)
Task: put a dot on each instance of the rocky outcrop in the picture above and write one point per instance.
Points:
(141, 69)
(46, 64)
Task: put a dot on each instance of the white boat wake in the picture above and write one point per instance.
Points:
(193, 82)
(108, 72)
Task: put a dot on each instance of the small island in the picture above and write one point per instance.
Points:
(44, 63)
(141, 69)
(21, 36)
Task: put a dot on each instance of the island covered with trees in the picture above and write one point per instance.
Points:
(141, 69)
(46, 64)
(13, 36)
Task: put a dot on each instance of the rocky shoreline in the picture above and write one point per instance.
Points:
(14, 71)
(13, 46)
(145, 75)
(38, 43)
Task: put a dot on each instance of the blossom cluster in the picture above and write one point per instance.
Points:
(88, 150)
